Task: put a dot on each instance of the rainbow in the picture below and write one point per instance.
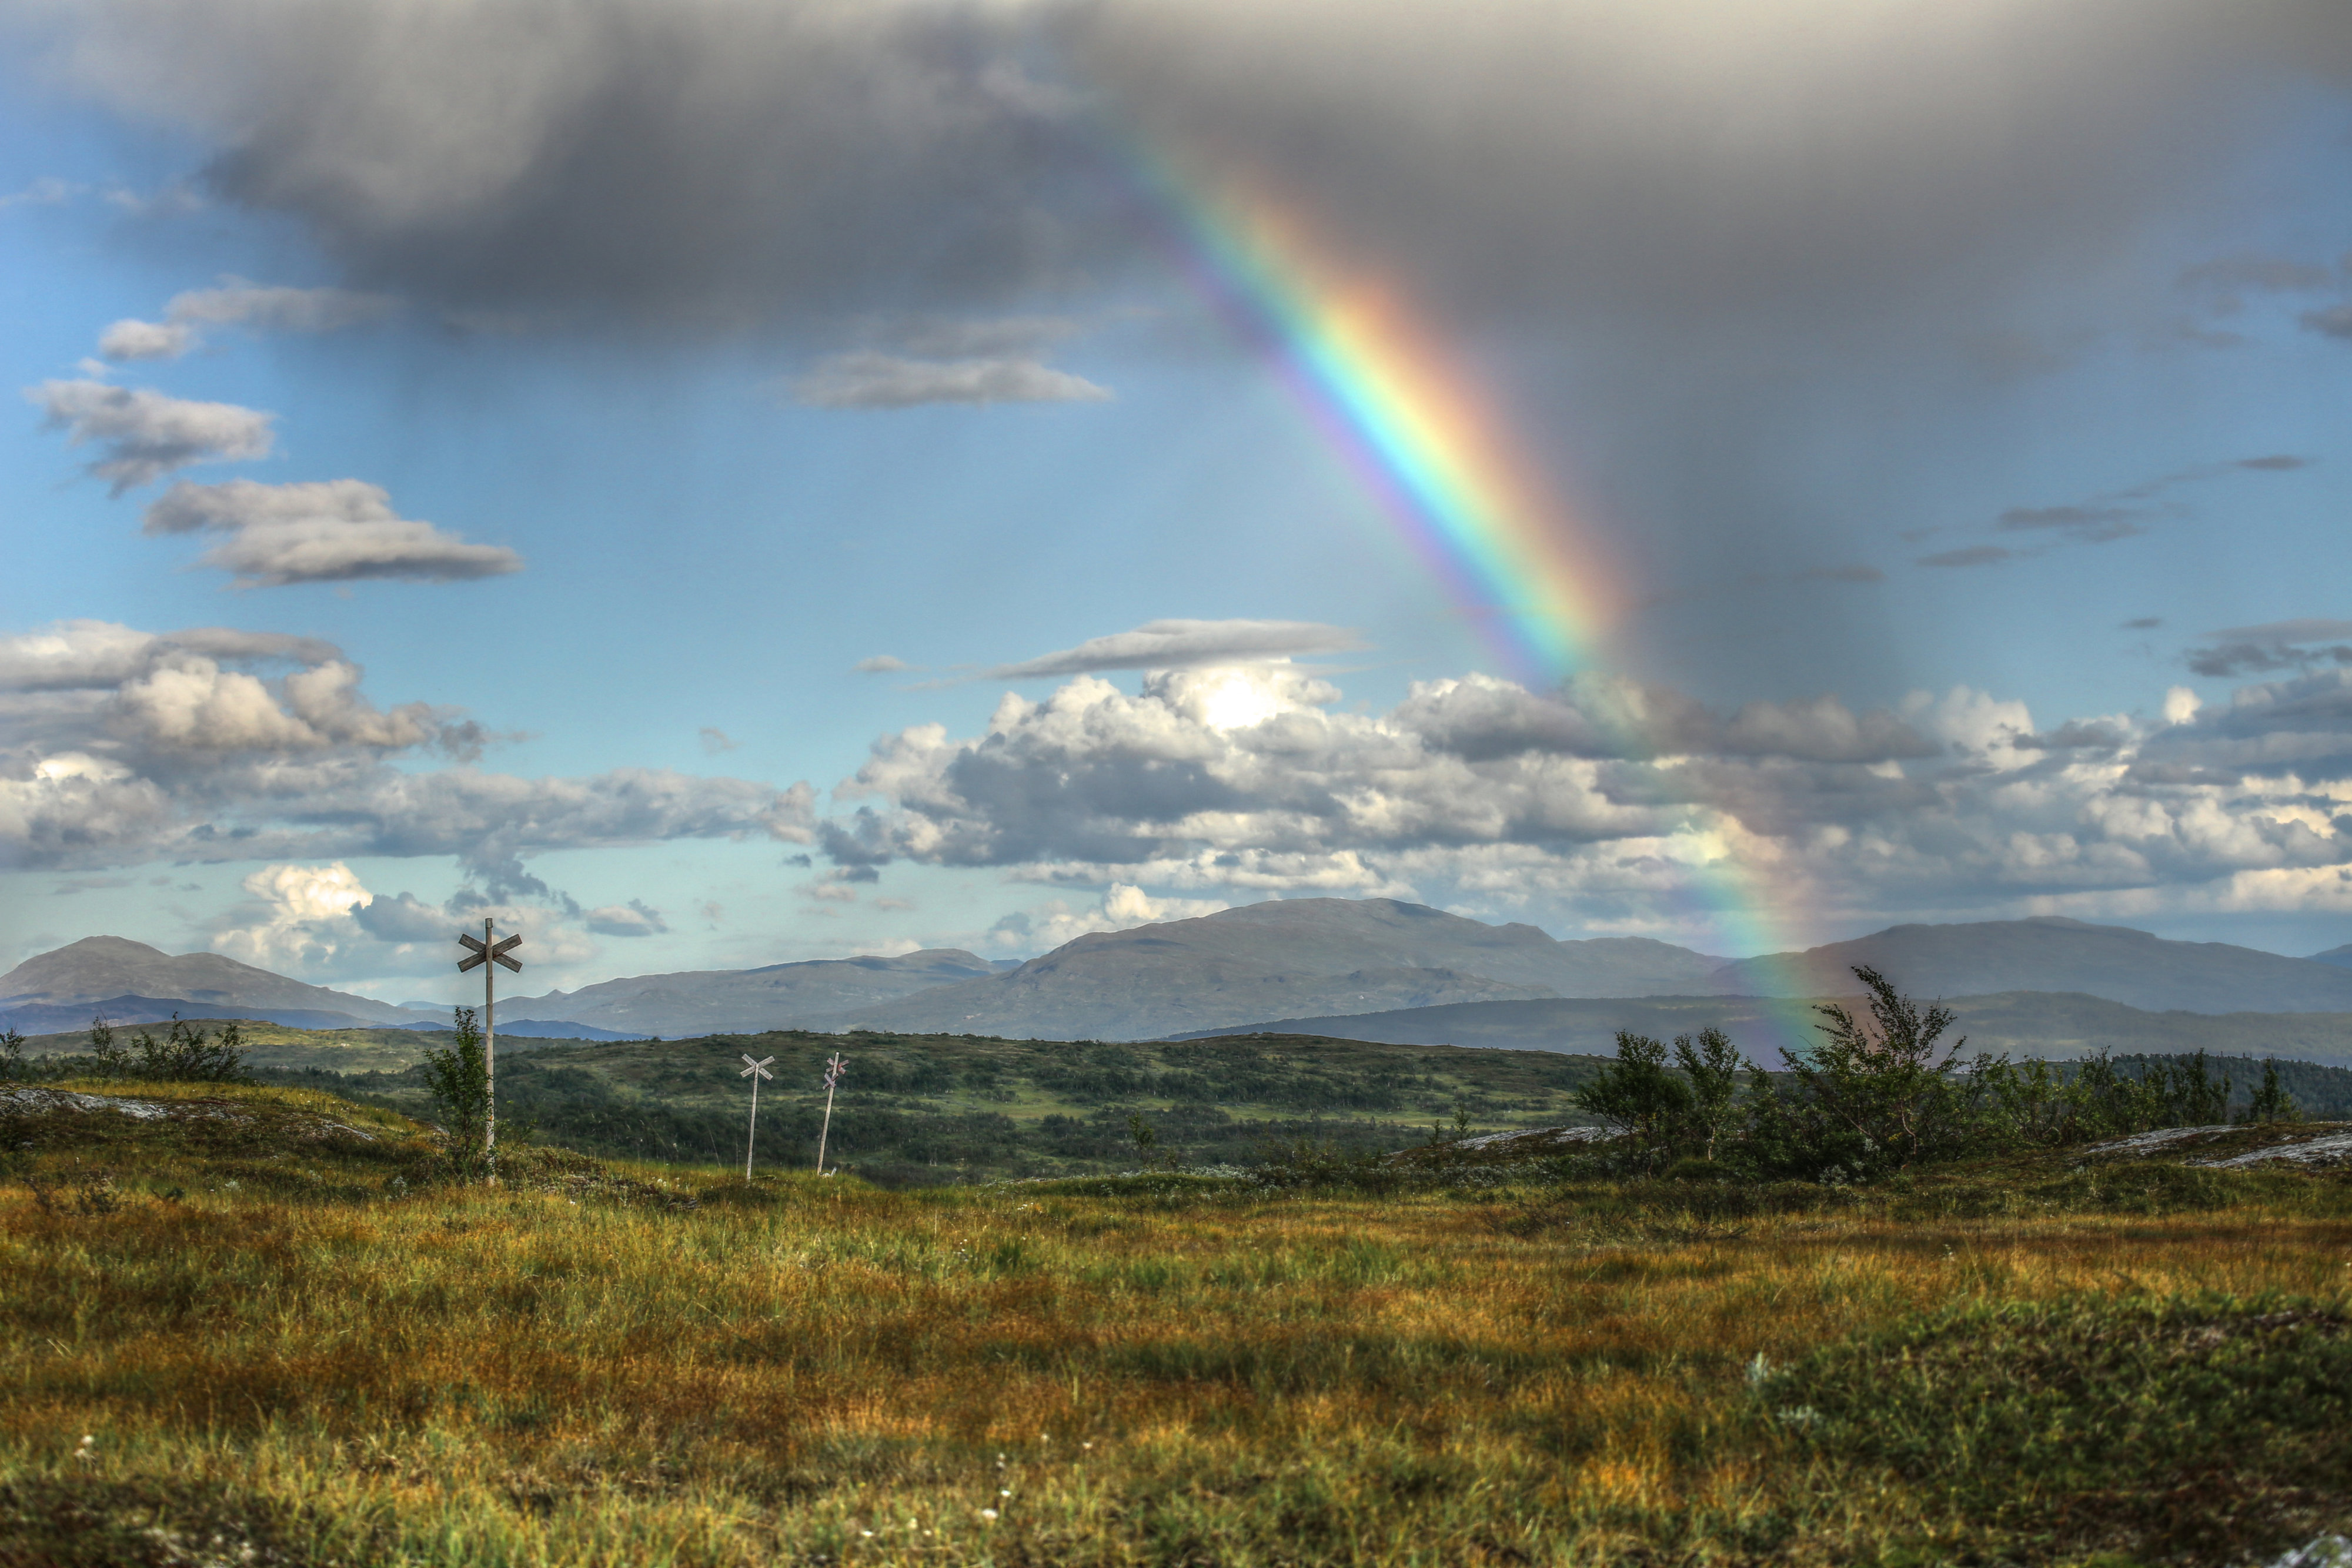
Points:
(1412, 425)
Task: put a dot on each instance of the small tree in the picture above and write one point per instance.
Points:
(1883, 1097)
(1712, 1071)
(108, 1059)
(1145, 1140)
(1641, 1097)
(12, 1056)
(458, 1078)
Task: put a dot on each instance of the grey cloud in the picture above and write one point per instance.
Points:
(48, 191)
(2143, 624)
(865, 379)
(635, 918)
(2303, 628)
(716, 741)
(93, 655)
(406, 918)
(2280, 645)
(1970, 554)
(277, 308)
(236, 302)
(145, 435)
(1180, 644)
(2252, 272)
(880, 664)
(2335, 321)
(145, 340)
(1856, 574)
(984, 336)
(2117, 515)
(2074, 735)
(697, 164)
(1483, 719)
(336, 530)
(2088, 523)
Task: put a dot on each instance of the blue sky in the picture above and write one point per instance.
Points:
(1941, 381)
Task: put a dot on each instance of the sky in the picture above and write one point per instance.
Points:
(709, 483)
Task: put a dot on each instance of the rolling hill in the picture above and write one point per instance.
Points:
(129, 979)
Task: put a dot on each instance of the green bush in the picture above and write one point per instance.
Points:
(185, 1055)
(458, 1078)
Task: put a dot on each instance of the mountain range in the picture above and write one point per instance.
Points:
(776, 996)
(1309, 961)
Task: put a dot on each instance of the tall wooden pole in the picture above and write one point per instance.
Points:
(489, 1045)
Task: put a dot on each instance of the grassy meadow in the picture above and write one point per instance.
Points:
(922, 1110)
(259, 1330)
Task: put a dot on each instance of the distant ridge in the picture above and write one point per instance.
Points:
(806, 995)
(2017, 1023)
(1282, 958)
(2134, 967)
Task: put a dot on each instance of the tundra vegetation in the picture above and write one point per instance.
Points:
(268, 1324)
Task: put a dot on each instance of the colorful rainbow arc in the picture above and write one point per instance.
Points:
(1413, 427)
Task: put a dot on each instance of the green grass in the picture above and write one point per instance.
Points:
(292, 1338)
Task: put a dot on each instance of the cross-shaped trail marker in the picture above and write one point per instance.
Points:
(754, 1070)
(480, 952)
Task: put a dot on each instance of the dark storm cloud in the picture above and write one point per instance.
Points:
(715, 161)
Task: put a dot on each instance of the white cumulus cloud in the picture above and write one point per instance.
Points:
(120, 748)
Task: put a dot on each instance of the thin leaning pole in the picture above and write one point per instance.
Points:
(834, 1068)
(754, 1070)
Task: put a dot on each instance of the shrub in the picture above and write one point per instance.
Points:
(185, 1055)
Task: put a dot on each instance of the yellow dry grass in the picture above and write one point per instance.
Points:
(576, 1369)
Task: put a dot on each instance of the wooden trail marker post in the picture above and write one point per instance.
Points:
(480, 952)
(754, 1070)
(834, 1068)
